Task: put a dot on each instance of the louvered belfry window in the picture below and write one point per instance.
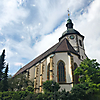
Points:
(61, 72)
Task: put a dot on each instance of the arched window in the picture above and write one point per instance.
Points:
(61, 72)
(48, 72)
(75, 77)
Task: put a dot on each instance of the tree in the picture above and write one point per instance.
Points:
(79, 92)
(5, 79)
(47, 86)
(89, 72)
(3, 73)
(19, 82)
(2, 64)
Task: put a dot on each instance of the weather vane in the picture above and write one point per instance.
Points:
(68, 14)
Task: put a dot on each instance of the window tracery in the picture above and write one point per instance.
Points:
(61, 72)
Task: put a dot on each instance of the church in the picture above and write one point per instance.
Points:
(58, 62)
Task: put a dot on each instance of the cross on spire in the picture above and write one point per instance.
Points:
(68, 14)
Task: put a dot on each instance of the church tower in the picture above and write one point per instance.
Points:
(74, 38)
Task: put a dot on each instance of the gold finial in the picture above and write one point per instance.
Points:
(68, 14)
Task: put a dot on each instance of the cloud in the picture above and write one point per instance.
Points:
(27, 29)
(18, 64)
(10, 13)
(88, 24)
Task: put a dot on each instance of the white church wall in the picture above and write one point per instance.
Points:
(69, 71)
(45, 70)
(54, 68)
(38, 77)
(39, 74)
(76, 59)
(81, 48)
(32, 73)
(67, 87)
(65, 59)
(48, 60)
(73, 42)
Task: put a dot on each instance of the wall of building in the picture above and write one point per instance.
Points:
(66, 59)
(81, 48)
(32, 73)
(56, 58)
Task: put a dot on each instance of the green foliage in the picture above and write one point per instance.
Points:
(82, 92)
(5, 79)
(31, 96)
(89, 72)
(89, 87)
(30, 88)
(79, 91)
(63, 95)
(3, 74)
(20, 82)
(2, 64)
(11, 95)
(47, 86)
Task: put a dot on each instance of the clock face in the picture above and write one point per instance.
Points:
(72, 37)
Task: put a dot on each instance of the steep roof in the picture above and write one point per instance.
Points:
(65, 46)
(62, 46)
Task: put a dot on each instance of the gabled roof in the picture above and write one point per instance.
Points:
(62, 46)
(65, 46)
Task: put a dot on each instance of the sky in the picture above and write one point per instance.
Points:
(30, 27)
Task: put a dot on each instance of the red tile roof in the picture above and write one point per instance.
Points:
(62, 46)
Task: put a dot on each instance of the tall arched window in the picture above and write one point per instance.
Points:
(61, 72)
(48, 72)
(75, 77)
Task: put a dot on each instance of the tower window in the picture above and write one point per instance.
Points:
(80, 42)
(61, 72)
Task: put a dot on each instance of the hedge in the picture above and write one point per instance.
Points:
(11, 95)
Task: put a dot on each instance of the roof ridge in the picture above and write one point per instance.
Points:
(31, 63)
(67, 42)
(60, 43)
(71, 47)
(65, 46)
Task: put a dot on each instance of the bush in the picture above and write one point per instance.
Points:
(47, 86)
(30, 88)
(11, 95)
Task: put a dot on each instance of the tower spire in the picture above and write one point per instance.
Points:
(68, 14)
(69, 21)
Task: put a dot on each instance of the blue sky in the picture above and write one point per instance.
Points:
(30, 27)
